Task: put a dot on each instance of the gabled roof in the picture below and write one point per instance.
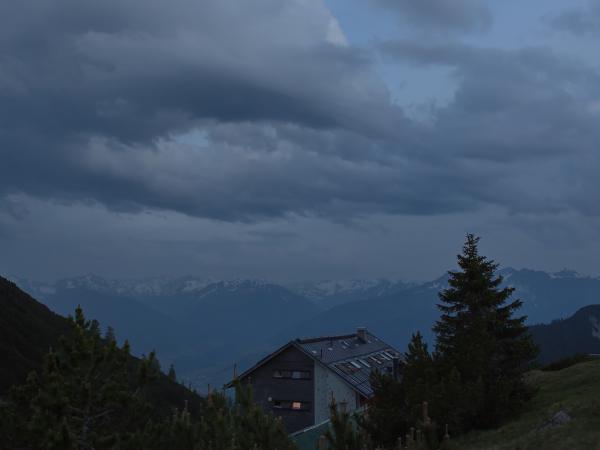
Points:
(349, 356)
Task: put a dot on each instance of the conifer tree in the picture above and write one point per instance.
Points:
(172, 375)
(418, 376)
(110, 334)
(482, 349)
(342, 434)
(82, 399)
(387, 416)
(91, 394)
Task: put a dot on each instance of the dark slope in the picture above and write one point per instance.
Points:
(580, 333)
(28, 329)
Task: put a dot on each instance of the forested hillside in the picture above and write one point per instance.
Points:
(84, 391)
(579, 333)
(28, 330)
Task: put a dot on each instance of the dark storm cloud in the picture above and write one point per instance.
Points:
(442, 15)
(579, 20)
(104, 70)
(130, 74)
(96, 101)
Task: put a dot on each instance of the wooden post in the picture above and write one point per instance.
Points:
(426, 419)
(322, 442)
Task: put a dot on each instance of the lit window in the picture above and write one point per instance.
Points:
(355, 364)
(365, 363)
(295, 405)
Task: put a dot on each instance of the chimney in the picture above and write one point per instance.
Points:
(396, 368)
(361, 333)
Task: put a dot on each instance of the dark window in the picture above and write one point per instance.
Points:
(295, 405)
(293, 374)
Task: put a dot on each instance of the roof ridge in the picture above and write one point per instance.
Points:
(324, 338)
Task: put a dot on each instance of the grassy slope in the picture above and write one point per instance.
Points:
(575, 389)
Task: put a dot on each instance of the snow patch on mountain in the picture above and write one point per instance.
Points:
(566, 273)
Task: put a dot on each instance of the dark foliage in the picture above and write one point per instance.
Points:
(86, 396)
(92, 394)
(28, 330)
(388, 414)
(222, 426)
(474, 378)
(565, 338)
(482, 350)
(343, 433)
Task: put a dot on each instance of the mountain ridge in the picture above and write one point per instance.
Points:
(204, 326)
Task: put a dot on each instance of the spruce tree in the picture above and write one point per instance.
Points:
(418, 376)
(172, 375)
(342, 433)
(482, 349)
(387, 416)
(84, 398)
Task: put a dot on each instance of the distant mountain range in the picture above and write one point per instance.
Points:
(330, 293)
(205, 326)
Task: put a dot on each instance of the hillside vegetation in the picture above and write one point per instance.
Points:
(574, 390)
(28, 330)
(579, 333)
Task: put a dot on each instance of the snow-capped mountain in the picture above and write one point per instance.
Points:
(154, 286)
(330, 293)
(326, 294)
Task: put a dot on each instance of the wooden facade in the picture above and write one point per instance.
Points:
(284, 386)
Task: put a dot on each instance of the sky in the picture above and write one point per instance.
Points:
(298, 139)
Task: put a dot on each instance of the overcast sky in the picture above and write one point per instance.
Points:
(297, 139)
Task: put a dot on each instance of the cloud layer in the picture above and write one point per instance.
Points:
(261, 111)
(579, 20)
(442, 15)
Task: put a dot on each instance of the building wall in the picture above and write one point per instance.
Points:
(267, 389)
(327, 384)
